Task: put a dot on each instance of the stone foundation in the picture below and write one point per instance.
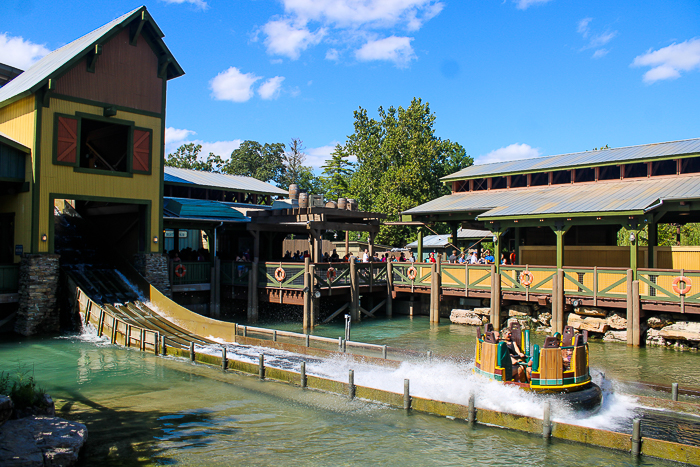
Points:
(154, 268)
(38, 282)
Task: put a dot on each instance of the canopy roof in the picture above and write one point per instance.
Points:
(179, 176)
(633, 197)
(60, 60)
(580, 159)
(441, 241)
(201, 209)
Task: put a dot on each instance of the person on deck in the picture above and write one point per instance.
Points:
(489, 257)
(334, 256)
(432, 258)
(472, 258)
(365, 256)
(453, 257)
(411, 258)
(512, 257)
(402, 258)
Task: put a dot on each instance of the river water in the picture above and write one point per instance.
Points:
(147, 410)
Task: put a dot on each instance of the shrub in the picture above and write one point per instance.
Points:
(22, 389)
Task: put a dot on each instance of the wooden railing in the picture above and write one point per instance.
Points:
(194, 273)
(9, 278)
(657, 285)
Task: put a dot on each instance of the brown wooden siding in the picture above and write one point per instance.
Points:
(67, 143)
(124, 75)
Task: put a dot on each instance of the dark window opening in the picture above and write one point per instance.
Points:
(636, 170)
(104, 145)
(610, 172)
(585, 175)
(460, 186)
(518, 181)
(539, 179)
(498, 183)
(480, 184)
(690, 165)
(560, 177)
(663, 168)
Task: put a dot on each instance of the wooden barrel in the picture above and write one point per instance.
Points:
(293, 191)
(352, 205)
(331, 204)
(303, 200)
(342, 203)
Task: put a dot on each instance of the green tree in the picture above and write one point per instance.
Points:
(336, 174)
(187, 157)
(253, 159)
(400, 161)
(296, 172)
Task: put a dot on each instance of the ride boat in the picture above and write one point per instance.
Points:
(560, 367)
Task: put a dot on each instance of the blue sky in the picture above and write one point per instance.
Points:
(506, 79)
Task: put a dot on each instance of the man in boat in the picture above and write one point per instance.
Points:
(516, 356)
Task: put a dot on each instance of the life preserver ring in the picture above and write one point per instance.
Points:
(412, 273)
(526, 278)
(688, 285)
(280, 274)
(180, 270)
(331, 274)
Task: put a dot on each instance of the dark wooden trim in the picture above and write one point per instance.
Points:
(102, 105)
(92, 57)
(36, 169)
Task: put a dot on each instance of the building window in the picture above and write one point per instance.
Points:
(663, 167)
(480, 184)
(636, 170)
(609, 172)
(539, 179)
(104, 145)
(560, 177)
(498, 183)
(690, 165)
(518, 181)
(585, 175)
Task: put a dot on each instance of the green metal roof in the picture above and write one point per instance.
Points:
(53, 64)
(200, 209)
(175, 175)
(633, 196)
(580, 159)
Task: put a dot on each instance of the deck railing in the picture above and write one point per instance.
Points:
(194, 273)
(9, 278)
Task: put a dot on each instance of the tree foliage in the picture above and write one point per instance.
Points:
(187, 157)
(400, 161)
(336, 174)
(261, 161)
(295, 171)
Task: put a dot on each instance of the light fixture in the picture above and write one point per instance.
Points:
(495, 239)
(44, 237)
(632, 237)
(317, 293)
(155, 239)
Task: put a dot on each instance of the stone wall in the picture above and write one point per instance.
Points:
(154, 268)
(38, 282)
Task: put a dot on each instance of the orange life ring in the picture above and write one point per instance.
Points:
(180, 270)
(331, 274)
(412, 273)
(280, 274)
(526, 278)
(688, 285)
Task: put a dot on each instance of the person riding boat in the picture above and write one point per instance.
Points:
(516, 357)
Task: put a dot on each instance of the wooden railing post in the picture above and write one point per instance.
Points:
(354, 291)
(434, 293)
(559, 297)
(389, 289)
(315, 302)
(495, 298)
(308, 291)
(636, 318)
(630, 307)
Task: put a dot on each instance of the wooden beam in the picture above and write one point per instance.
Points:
(92, 58)
(343, 226)
(136, 28)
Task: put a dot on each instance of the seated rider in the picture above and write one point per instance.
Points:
(566, 355)
(516, 356)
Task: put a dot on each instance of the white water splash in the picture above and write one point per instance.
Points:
(88, 334)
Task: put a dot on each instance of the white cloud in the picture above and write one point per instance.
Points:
(17, 52)
(600, 53)
(232, 85)
(601, 39)
(173, 135)
(270, 89)
(201, 4)
(373, 13)
(670, 61)
(583, 28)
(394, 49)
(525, 4)
(509, 153)
(332, 54)
(285, 38)
(595, 41)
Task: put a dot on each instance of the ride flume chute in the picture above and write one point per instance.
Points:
(559, 367)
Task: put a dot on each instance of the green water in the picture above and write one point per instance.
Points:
(146, 410)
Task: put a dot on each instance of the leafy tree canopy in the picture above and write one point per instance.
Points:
(187, 157)
(336, 174)
(253, 159)
(400, 161)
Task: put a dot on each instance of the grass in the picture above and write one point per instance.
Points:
(22, 388)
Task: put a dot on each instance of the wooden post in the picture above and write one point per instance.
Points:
(419, 256)
(249, 310)
(371, 243)
(560, 247)
(555, 304)
(434, 294)
(256, 245)
(389, 289)
(652, 242)
(308, 291)
(315, 302)
(560, 301)
(495, 311)
(630, 307)
(347, 243)
(212, 291)
(354, 292)
(636, 319)
(254, 299)
(518, 258)
(634, 252)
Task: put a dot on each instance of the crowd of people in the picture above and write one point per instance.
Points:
(187, 255)
(471, 257)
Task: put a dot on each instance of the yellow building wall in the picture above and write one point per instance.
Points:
(678, 257)
(64, 180)
(582, 256)
(17, 121)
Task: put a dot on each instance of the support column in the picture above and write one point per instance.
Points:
(497, 251)
(559, 325)
(256, 245)
(634, 249)
(630, 306)
(653, 243)
(215, 289)
(315, 302)
(560, 247)
(517, 246)
(419, 256)
(347, 243)
(389, 289)
(354, 292)
(253, 312)
(308, 291)
(434, 294)
(371, 243)
(555, 304)
(495, 317)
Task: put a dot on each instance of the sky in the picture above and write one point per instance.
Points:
(506, 79)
